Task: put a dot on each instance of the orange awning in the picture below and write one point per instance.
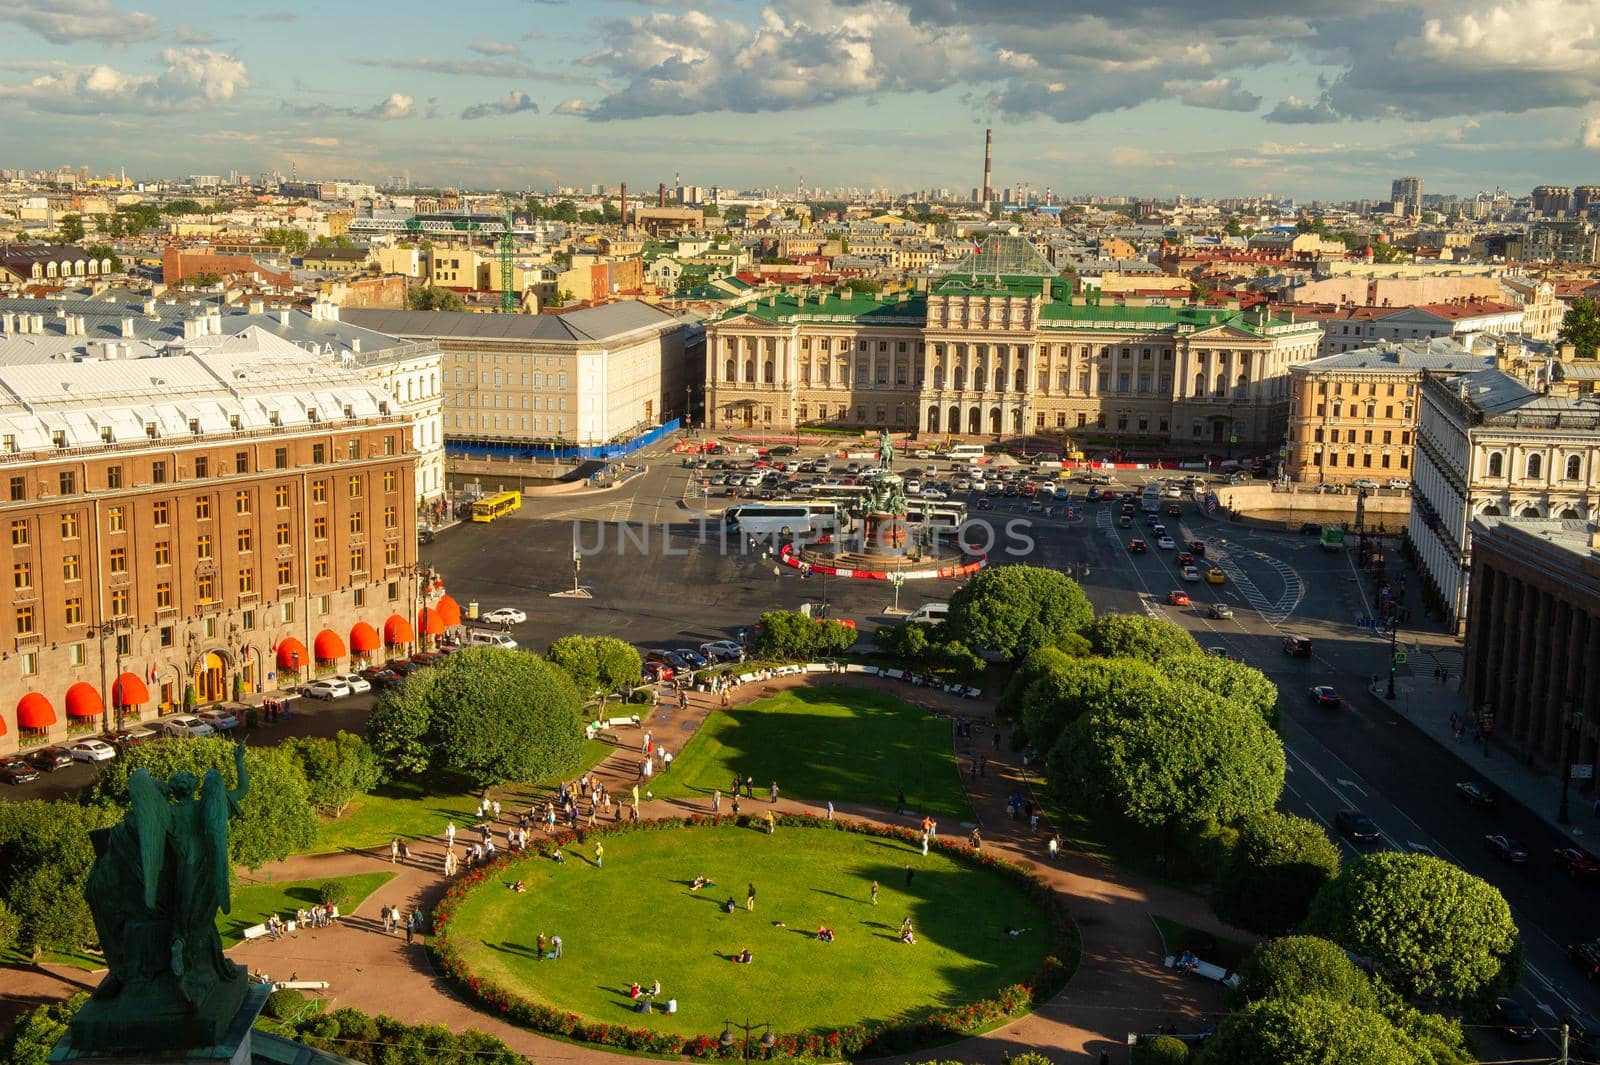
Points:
(129, 690)
(397, 630)
(35, 711)
(364, 638)
(429, 623)
(329, 647)
(288, 649)
(449, 611)
(84, 702)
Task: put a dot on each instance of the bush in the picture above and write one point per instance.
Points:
(1162, 1050)
(335, 893)
(10, 927)
(1309, 1031)
(1029, 1057)
(44, 862)
(284, 1003)
(1303, 965)
(1014, 610)
(596, 663)
(1136, 636)
(337, 770)
(640, 696)
(37, 1031)
(1276, 868)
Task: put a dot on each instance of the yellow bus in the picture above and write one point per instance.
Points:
(496, 506)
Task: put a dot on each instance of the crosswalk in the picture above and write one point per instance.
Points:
(1275, 611)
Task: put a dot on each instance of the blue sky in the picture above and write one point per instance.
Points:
(1308, 98)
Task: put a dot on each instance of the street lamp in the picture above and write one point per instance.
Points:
(1569, 722)
(1394, 640)
(107, 629)
(767, 1040)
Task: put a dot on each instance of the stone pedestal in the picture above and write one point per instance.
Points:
(229, 1042)
(885, 533)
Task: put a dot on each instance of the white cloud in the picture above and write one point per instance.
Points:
(1590, 137)
(1217, 94)
(490, 47)
(573, 106)
(186, 34)
(193, 77)
(514, 102)
(1295, 111)
(75, 21)
(395, 105)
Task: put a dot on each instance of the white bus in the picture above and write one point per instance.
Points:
(1150, 503)
(939, 514)
(965, 451)
(783, 519)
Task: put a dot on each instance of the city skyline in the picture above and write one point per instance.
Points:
(1168, 98)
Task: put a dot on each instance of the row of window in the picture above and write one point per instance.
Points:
(842, 412)
(493, 359)
(1333, 436)
(1355, 388)
(1533, 466)
(1403, 460)
(540, 381)
(1369, 411)
(470, 399)
(67, 480)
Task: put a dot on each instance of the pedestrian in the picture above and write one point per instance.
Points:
(736, 805)
(900, 802)
(411, 926)
(1055, 846)
(830, 809)
(683, 700)
(666, 760)
(555, 946)
(750, 898)
(997, 738)
(450, 863)
(910, 872)
(646, 747)
(450, 834)
(716, 801)
(388, 920)
(539, 947)
(773, 793)
(924, 844)
(394, 851)
(749, 787)
(496, 806)
(599, 855)
(874, 892)
(983, 764)
(976, 839)
(405, 851)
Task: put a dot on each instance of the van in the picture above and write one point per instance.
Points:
(930, 614)
(965, 451)
(490, 638)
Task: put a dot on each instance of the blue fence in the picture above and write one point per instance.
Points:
(535, 452)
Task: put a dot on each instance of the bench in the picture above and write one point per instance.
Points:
(301, 985)
(1207, 970)
(255, 931)
(895, 674)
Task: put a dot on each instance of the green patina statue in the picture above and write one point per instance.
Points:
(885, 451)
(158, 879)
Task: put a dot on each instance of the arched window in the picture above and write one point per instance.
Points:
(938, 376)
(1200, 384)
(959, 377)
(1222, 385)
(750, 371)
(1021, 379)
(1000, 380)
(1497, 463)
(1241, 385)
(732, 371)
(1530, 512)
(766, 372)
(1492, 510)
(1535, 465)
(1574, 468)
(1571, 512)
(933, 419)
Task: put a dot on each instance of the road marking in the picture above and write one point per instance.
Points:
(1421, 847)
(1353, 786)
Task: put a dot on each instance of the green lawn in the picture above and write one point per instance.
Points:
(636, 919)
(253, 902)
(86, 960)
(825, 744)
(417, 809)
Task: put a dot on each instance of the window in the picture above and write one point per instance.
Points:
(285, 574)
(24, 617)
(352, 450)
(358, 560)
(30, 664)
(113, 476)
(163, 552)
(319, 454)
(1535, 465)
(205, 588)
(73, 610)
(119, 560)
(247, 580)
(244, 541)
(283, 534)
(21, 574)
(319, 528)
(119, 602)
(68, 481)
(19, 533)
(167, 638)
(247, 620)
(241, 502)
(202, 466)
(319, 491)
(69, 567)
(159, 511)
(280, 496)
(241, 462)
(319, 567)
(355, 488)
(280, 458)
(19, 488)
(163, 595)
(158, 472)
(355, 522)
(202, 508)
(391, 554)
(391, 519)
(1574, 471)
(1496, 464)
(114, 519)
(390, 480)
(202, 547)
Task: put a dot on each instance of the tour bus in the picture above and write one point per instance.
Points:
(939, 514)
(784, 519)
(964, 451)
(496, 506)
(1150, 502)
(848, 494)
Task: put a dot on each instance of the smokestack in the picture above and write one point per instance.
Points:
(988, 163)
(661, 194)
(624, 211)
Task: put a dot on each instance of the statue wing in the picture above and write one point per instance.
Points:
(214, 808)
(151, 814)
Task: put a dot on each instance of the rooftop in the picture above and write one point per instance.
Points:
(588, 325)
(1439, 354)
(1005, 256)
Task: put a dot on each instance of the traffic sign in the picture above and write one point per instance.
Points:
(1400, 658)
(1583, 772)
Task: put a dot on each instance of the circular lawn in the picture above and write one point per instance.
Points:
(636, 919)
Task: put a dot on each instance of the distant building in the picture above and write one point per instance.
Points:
(1349, 328)
(33, 263)
(1406, 195)
(335, 260)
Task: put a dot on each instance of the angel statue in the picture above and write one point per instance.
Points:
(158, 879)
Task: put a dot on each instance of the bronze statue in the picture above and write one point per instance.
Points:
(885, 451)
(158, 879)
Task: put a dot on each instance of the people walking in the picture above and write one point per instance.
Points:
(394, 851)
(450, 834)
(750, 898)
(716, 801)
(773, 793)
(874, 892)
(599, 855)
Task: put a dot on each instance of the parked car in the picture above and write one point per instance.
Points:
(185, 726)
(424, 536)
(1310, 528)
(1324, 695)
(506, 615)
(1137, 547)
(1586, 956)
(1033, 507)
(359, 685)
(123, 739)
(657, 671)
(400, 667)
(1220, 611)
(1505, 848)
(679, 662)
(381, 679)
(92, 750)
(1177, 597)
(327, 689)
(722, 651)
(49, 759)
(16, 771)
(782, 449)
(425, 658)
(1475, 794)
(1297, 646)
(1364, 485)
(1577, 863)
(1356, 826)
(1400, 484)
(984, 504)
(695, 659)
(219, 720)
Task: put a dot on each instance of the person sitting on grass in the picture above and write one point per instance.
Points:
(906, 934)
(654, 989)
(558, 856)
(634, 991)
(699, 882)
(744, 957)
(729, 906)
(519, 887)
(825, 933)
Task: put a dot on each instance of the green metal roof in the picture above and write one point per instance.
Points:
(863, 308)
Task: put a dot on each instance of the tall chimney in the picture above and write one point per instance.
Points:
(624, 211)
(661, 194)
(988, 161)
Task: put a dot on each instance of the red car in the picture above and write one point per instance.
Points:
(1323, 695)
(1578, 863)
(657, 671)
(1184, 559)
(1174, 511)
(1137, 547)
(1178, 598)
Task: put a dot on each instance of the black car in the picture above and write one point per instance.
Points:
(1506, 849)
(424, 536)
(1297, 646)
(1475, 794)
(1197, 548)
(1578, 863)
(1586, 956)
(1514, 1020)
(1356, 826)
(782, 449)
(984, 504)
(16, 771)
(1583, 1035)
(1310, 528)
(403, 666)
(426, 658)
(49, 759)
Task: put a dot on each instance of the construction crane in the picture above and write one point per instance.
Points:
(508, 247)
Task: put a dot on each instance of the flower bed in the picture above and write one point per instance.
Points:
(868, 1040)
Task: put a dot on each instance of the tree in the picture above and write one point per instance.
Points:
(429, 298)
(335, 242)
(101, 251)
(492, 714)
(183, 207)
(1274, 870)
(294, 241)
(71, 229)
(1178, 755)
(561, 299)
(736, 213)
(1309, 1031)
(1136, 636)
(1383, 252)
(37, 1031)
(791, 634)
(1236, 682)
(1013, 610)
(1580, 327)
(1065, 688)
(1431, 928)
(862, 285)
(276, 818)
(1233, 228)
(565, 211)
(1295, 966)
(597, 663)
(337, 770)
(10, 927)
(1161, 1050)
(45, 856)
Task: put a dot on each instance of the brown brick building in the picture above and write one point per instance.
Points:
(216, 523)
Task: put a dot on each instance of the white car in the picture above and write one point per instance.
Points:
(506, 614)
(1400, 483)
(913, 485)
(933, 493)
(91, 751)
(1365, 485)
(329, 688)
(1165, 543)
(219, 720)
(722, 651)
(186, 726)
(359, 685)
(1190, 573)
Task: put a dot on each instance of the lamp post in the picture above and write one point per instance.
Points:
(767, 1041)
(1394, 641)
(1568, 721)
(294, 659)
(107, 629)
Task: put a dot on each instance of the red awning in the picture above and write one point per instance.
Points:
(429, 623)
(84, 702)
(449, 611)
(364, 638)
(129, 690)
(288, 649)
(35, 711)
(329, 647)
(397, 630)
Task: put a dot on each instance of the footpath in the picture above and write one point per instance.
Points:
(1120, 985)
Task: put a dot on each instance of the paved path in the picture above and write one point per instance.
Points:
(1120, 985)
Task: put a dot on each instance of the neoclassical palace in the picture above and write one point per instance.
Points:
(1000, 347)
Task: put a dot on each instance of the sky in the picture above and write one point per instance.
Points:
(1312, 99)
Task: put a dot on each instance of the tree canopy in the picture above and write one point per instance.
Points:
(45, 856)
(1309, 1031)
(294, 241)
(337, 770)
(1014, 610)
(1580, 327)
(492, 714)
(1240, 684)
(430, 298)
(1136, 636)
(1431, 928)
(1304, 965)
(791, 634)
(1276, 867)
(597, 663)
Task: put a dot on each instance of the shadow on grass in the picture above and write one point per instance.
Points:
(517, 949)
